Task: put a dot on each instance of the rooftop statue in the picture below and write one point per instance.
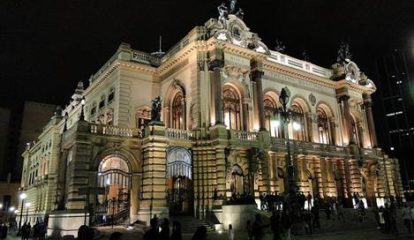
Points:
(231, 8)
(344, 54)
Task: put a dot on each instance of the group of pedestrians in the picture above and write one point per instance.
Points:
(386, 217)
(408, 217)
(38, 231)
(154, 232)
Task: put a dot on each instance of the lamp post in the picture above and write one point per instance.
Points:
(27, 205)
(286, 116)
(82, 116)
(22, 197)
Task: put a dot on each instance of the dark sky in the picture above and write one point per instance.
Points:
(46, 47)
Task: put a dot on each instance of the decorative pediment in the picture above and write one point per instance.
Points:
(230, 27)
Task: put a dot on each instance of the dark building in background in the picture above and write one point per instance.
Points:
(396, 72)
(5, 115)
(17, 127)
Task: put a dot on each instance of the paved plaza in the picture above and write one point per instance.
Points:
(350, 229)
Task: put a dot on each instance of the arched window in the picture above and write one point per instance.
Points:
(272, 117)
(323, 127)
(297, 123)
(231, 104)
(177, 111)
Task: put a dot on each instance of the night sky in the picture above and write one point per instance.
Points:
(46, 47)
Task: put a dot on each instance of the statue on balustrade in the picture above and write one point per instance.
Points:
(156, 109)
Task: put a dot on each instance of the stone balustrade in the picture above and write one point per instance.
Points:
(114, 131)
(178, 134)
(243, 135)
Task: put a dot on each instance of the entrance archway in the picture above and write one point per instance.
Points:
(114, 176)
(180, 181)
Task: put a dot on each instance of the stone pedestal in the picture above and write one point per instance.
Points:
(237, 216)
(66, 223)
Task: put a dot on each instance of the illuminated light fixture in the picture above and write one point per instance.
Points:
(392, 148)
(11, 209)
(23, 196)
(28, 205)
(108, 182)
(296, 126)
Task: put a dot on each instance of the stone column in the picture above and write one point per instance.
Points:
(256, 76)
(370, 119)
(154, 189)
(184, 115)
(245, 116)
(216, 89)
(332, 130)
(347, 118)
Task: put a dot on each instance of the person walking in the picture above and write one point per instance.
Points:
(249, 229)
(258, 227)
(116, 236)
(231, 232)
(165, 229)
(406, 216)
(275, 225)
(176, 231)
(200, 233)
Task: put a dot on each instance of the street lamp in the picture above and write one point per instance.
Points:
(82, 116)
(286, 115)
(27, 205)
(22, 197)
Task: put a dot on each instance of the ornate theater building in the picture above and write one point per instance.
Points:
(225, 128)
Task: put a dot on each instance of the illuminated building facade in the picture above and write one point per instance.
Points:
(220, 132)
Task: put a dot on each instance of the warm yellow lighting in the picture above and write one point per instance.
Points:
(296, 126)
(23, 196)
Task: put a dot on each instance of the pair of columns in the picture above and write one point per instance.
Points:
(256, 75)
(347, 118)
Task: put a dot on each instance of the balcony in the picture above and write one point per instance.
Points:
(108, 130)
(307, 147)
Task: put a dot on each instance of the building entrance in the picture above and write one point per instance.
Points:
(180, 181)
(114, 204)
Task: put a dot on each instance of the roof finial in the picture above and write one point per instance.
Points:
(159, 53)
(160, 42)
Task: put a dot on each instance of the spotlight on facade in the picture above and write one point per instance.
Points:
(296, 126)
(27, 205)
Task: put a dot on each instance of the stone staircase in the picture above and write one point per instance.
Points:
(190, 224)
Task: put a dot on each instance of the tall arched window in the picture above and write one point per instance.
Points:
(231, 104)
(297, 123)
(272, 118)
(323, 127)
(177, 111)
